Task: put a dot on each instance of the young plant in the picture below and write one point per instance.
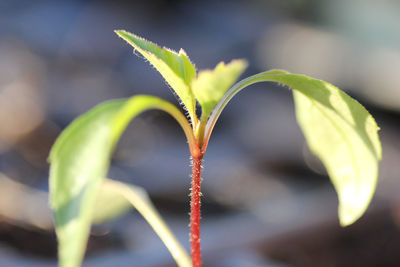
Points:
(338, 130)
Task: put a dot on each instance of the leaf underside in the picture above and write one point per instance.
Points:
(344, 136)
(79, 162)
(176, 68)
(338, 130)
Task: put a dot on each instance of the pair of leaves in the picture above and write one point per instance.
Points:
(208, 88)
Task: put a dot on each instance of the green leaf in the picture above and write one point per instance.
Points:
(211, 85)
(176, 68)
(79, 161)
(337, 129)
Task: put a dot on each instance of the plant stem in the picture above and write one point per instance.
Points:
(195, 209)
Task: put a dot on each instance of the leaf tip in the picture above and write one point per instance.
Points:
(243, 62)
(353, 207)
(239, 64)
(346, 218)
(120, 33)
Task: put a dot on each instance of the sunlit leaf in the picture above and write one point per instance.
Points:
(79, 161)
(338, 130)
(211, 85)
(176, 68)
(344, 136)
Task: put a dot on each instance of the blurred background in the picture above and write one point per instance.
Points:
(267, 201)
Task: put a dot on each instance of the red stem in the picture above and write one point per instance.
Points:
(197, 159)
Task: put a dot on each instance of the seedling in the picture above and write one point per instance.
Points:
(338, 130)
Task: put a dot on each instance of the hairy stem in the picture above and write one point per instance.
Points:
(195, 210)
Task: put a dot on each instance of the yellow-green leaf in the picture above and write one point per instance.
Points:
(344, 136)
(337, 128)
(211, 85)
(176, 68)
